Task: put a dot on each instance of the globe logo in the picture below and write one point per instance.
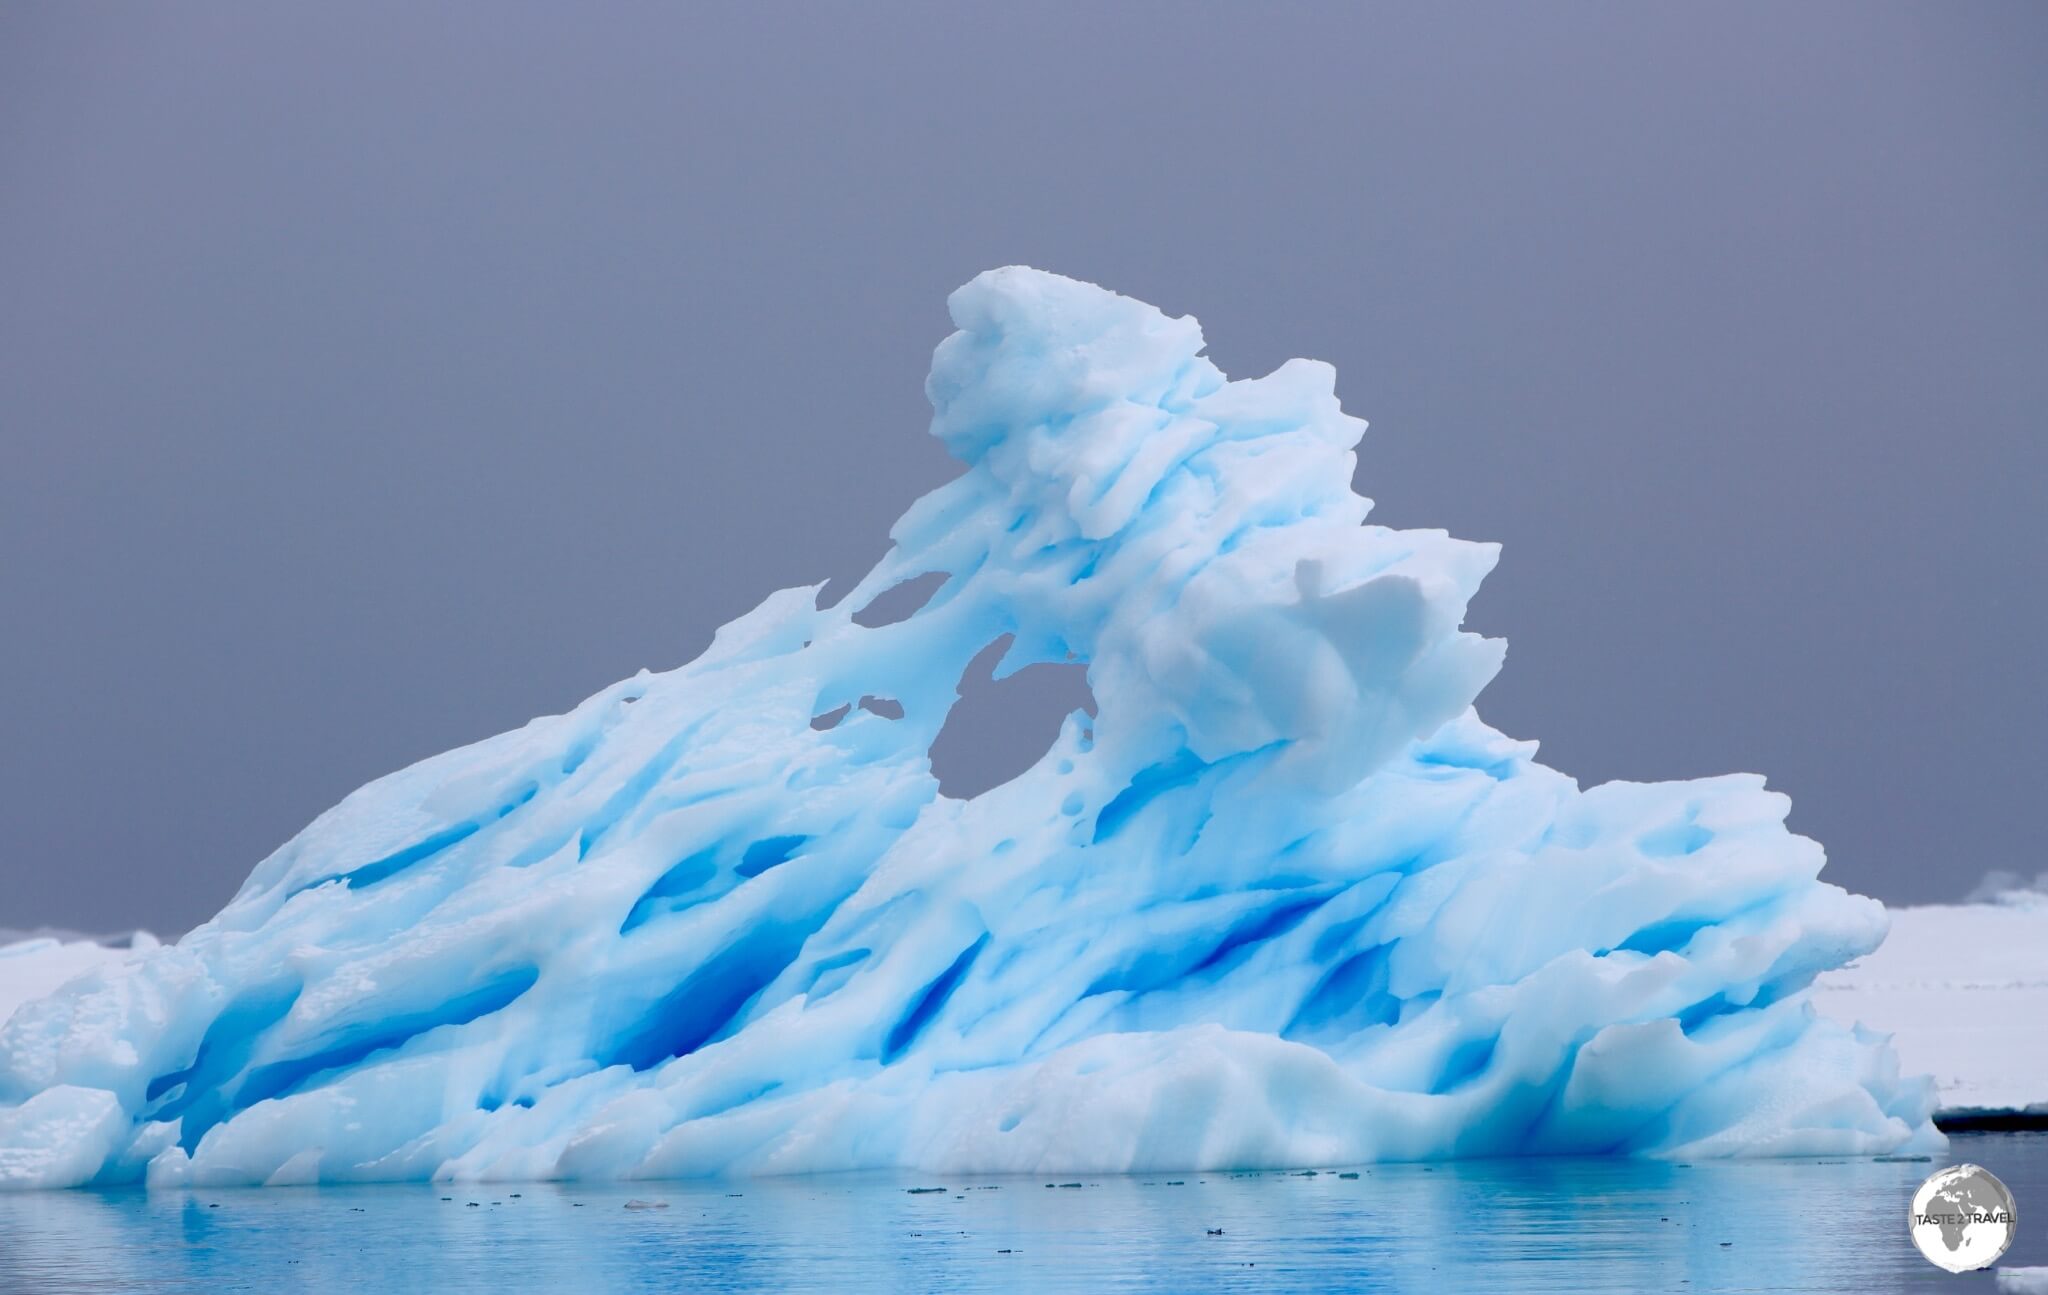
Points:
(1963, 1218)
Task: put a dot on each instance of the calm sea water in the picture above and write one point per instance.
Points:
(1496, 1226)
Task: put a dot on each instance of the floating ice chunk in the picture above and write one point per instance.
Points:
(1282, 900)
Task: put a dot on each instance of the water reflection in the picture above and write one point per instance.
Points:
(1502, 1226)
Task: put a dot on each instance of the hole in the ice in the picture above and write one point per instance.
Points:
(765, 854)
(1072, 804)
(1000, 728)
(912, 1023)
(836, 587)
(1010, 1121)
(900, 602)
(886, 707)
(671, 887)
(711, 997)
(830, 719)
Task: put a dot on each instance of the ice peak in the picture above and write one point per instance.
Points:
(1283, 900)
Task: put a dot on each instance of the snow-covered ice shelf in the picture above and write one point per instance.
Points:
(1963, 990)
(32, 968)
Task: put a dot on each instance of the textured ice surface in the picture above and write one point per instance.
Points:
(1284, 900)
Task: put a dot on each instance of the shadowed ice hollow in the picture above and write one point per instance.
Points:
(1283, 900)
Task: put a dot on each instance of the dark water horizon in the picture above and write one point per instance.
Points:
(1503, 1226)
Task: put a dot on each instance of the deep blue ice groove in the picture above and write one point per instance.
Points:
(711, 997)
(825, 978)
(349, 1047)
(1149, 970)
(579, 751)
(634, 790)
(234, 1034)
(492, 1101)
(1157, 967)
(1500, 770)
(1668, 936)
(419, 852)
(769, 852)
(929, 1002)
(1464, 1064)
(398, 861)
(1338, 934)
(225, 1047)
(1350, 996)
(1693, 1017)
(1146, 786)
(679, 881)
(1267, 923)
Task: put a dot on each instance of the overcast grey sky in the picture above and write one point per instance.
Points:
(373, 377)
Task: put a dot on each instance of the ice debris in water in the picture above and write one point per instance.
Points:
(1284, 900)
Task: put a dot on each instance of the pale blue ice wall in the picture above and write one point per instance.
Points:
(1283, 900)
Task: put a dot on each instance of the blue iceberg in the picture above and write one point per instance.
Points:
(1282, 899)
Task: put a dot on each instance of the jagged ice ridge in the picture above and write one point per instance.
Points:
(1283, 900)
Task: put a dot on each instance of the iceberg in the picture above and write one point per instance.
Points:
(1281, 900)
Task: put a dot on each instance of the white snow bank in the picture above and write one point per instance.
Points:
(1963, 990)
(30, 969)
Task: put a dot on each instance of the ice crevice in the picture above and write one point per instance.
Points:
(1281, 899)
